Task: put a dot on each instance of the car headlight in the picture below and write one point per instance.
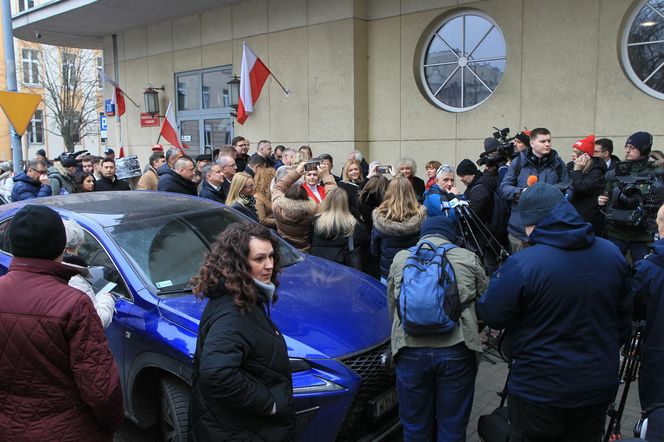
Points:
(309, 382)
(323, 386)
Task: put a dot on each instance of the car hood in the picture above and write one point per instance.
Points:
(324, 310)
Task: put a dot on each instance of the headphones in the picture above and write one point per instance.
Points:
(642, 424)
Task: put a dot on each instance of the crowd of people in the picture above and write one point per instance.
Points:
(563, 296)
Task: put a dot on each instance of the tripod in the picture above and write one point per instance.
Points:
(628, 370)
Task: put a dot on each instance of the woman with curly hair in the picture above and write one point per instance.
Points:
(241, 380)
(84, 182)
(241, 195)
(396, 223)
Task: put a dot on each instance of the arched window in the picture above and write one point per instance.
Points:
(643, 47)
(462, 61)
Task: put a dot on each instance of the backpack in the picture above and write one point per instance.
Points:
(429, 300)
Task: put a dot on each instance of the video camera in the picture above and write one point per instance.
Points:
(504, 151)
(636, 199)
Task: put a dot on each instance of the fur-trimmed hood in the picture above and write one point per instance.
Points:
(295, 210)
(391, 227)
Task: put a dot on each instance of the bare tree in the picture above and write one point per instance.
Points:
(70, 82)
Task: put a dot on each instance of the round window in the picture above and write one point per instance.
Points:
(462, 61)
(643, 47)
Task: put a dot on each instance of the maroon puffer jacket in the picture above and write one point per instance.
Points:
(58, 380)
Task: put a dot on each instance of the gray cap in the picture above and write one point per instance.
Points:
(537, 202)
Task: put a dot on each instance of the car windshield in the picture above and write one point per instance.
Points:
(167, 251)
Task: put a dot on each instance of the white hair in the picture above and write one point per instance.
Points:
(407, 162)
(356, 155)
(74, 233)
(445, 168)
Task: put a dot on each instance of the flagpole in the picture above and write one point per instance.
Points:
(129, 98)
(286, 91)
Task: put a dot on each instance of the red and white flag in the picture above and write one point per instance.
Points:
(118, 96)
(253, 76)
(169, 129)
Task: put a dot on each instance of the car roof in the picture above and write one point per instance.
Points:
(114, 208)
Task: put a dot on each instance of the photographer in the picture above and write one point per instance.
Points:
(539, 160)
(630, 226)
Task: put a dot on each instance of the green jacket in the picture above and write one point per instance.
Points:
(642, 234)
(471, 282)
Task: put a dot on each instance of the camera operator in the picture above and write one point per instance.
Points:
(628, 227)
(541, 161)
(648, 291)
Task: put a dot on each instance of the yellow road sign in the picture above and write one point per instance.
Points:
(19, 108)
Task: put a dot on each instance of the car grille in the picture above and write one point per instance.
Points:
(375, 379)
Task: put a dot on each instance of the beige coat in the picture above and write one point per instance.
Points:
(264, 210)
(149, 180)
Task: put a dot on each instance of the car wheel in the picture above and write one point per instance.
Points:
(174, 396)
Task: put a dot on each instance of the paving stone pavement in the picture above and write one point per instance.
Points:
(490, 380)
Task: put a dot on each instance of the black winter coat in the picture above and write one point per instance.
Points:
(209, 192)
(104, 184)
(587, 187)
(241, 371)
(333, 249)
(389, 237)
(480, 195)
(248, 211)
(170, 181)
(418, 186)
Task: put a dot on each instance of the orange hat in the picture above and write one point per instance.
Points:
(586, 145)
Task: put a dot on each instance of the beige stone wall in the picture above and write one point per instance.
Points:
(349, 65)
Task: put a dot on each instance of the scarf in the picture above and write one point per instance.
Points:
(265, 289)
(248, 201)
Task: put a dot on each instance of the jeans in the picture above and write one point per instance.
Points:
(531, 422)
(435, 388)
(637, 250)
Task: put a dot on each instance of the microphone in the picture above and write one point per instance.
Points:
(532, 179)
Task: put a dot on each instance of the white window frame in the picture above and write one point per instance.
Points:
(624, 54)
(38, 117)
(424, 46)
(24, 5)
(32, 64)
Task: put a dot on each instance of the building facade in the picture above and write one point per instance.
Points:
(66, 78)
(427, 79)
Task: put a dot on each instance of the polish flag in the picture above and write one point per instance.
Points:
(169, 130)
(253, 76)
(118, 96)
(121, 155)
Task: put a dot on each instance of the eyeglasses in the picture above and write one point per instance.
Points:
(242, 145)
(41, 172)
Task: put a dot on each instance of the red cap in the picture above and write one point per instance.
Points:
(586, 145)
(157, 148)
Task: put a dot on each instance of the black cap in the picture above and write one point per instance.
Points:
(41, 152)
(68, 162)
(466, 167)
(523, 137)
(37, 232)
(108, 151)
(203, 157)
(642, 141)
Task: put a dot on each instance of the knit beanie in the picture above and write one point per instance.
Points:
(642, 141)
(41, 152)
(586, 145)
(37, 232)
(537, 201)
(524, 137)
(466, 167)
(490, 145)
(439, 225)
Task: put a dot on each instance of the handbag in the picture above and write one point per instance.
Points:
(353, 256)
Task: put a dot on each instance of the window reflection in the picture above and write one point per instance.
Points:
(645, 45)
(464, 61)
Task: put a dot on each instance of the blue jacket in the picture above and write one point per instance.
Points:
(552, 171)
(566, 311)
(26, 188)
(648, 290)
(433, 198)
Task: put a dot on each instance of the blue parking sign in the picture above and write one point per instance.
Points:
(103, 122)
